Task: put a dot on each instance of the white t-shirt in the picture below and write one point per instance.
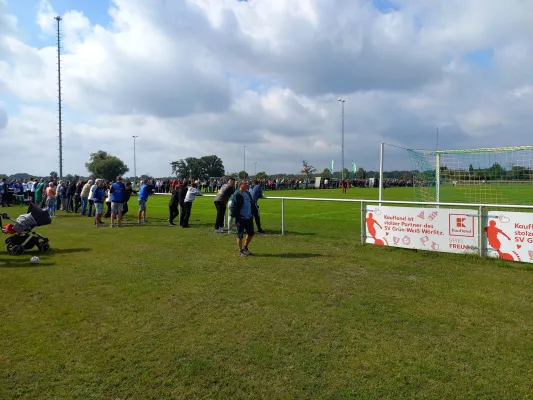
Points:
(191, 194)
(91, 193)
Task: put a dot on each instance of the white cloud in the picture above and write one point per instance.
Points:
(195, 77)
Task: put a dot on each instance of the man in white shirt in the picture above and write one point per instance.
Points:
(192, 192)
(32, 186)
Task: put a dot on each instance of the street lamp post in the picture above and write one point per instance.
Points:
(134, 159)
(244, 170)
(342, 137)
(255, 169)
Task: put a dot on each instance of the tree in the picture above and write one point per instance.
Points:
(326, 173)
(54, 175)
(470, 168)
(361, 173)
(181, 169)
(212, 166)
(243, 175)
(69, 178)
(307, 169)
(105, 165)
(261, 175)
(198, 168)
(234, 175)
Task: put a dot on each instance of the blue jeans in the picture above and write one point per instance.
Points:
(52, 206)
(84, 203)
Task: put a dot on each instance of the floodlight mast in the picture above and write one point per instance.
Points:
(59, 103)
(342, 101)
(134, 159)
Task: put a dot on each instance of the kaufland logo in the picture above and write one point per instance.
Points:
(461, 225)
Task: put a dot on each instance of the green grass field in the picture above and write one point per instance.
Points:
(155, 312)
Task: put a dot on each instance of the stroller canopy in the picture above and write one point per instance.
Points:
(41, 217)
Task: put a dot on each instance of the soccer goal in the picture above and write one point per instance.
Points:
(501, 175)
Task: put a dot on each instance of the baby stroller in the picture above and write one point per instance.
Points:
(22, 236)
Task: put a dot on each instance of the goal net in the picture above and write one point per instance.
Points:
(482, 176)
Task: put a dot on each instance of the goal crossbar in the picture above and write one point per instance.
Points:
(467, 151)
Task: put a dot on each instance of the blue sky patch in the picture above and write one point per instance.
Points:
(26, 12)
(385, 6)
(481, 58)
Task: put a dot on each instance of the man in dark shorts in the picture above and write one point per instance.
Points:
(241, 210)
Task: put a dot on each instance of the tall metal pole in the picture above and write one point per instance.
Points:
(255, 169)
(342, 138)
(59, 106)
(381, 156)
(134, 159)
(244, 162)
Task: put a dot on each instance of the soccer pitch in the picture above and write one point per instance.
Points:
(155, 312)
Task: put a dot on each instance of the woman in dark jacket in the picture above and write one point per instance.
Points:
(71, 192)
(77, 195)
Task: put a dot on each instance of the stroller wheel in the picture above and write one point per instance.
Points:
(43, 247)
(9, 247)
(17, 250)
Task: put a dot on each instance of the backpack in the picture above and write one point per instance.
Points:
(236, 204)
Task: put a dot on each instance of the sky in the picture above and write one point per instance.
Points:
(200, 77)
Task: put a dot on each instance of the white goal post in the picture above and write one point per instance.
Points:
(469, 168)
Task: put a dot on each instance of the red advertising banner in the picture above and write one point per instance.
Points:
(432, 229)
(509, 236)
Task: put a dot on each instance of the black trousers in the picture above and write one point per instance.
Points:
(186, 213)
(221, 212)
(70, 203)
(182, 216)
(174, 212)
(77, 203)
(257, 217)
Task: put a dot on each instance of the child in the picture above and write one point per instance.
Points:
(231, 220)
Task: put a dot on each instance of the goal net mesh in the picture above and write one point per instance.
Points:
(481, 176)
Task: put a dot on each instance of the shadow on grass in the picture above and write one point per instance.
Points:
(21, 262)
(68, 251)
(164, 224)
(289, 233)
(288, 255)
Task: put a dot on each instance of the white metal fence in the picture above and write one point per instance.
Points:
(481, 210)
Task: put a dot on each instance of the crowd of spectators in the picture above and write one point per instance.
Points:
(69, 197)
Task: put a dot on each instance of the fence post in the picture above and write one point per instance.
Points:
(363, 217)
(481, 224)
(283, 216)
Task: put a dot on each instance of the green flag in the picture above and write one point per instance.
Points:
(332, 162)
